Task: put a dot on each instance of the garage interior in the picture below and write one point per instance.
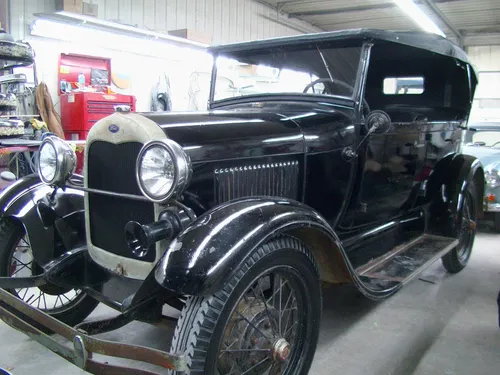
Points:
(150, 55)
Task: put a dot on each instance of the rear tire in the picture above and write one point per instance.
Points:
(238, 329)
(456, 260)
(70, 311)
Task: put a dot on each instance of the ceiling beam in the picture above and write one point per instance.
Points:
(286, 21)
(325, 12)
(360, 8)
(439, 14)
(481, 39)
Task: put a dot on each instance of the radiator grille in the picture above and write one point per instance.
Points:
(112, 168)
(273, 179)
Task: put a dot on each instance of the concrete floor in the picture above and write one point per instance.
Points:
(438, 324)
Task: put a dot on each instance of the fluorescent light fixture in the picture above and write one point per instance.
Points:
(116, 28)
(96, 37)
(420, 18)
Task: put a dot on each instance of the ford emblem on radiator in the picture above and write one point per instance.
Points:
(113, 128)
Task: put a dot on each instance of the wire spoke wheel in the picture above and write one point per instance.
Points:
(261, 334)
(263, 321)
(467, 230)
(71, 306)
(457, 259)
(49, 298)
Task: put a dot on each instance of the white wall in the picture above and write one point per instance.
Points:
(144, 71)
(226, 20)
(486, 106)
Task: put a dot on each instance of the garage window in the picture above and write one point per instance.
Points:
(403, 85)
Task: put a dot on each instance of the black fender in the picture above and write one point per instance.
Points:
(445, 189)
(204, 255)
(44, 215)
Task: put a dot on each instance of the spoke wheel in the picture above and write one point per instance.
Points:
(48, 298)
(71, 306)
(457, 259)
(265, 320)
(261, 336)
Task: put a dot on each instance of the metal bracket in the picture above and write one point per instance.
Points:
(348, 154)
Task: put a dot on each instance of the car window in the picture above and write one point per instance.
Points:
(403, 85)
(319, 71)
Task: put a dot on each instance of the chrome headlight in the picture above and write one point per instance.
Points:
(492, 178)
(56, 162)
(163, 170)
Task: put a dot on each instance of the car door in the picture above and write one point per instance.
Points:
(388, 168)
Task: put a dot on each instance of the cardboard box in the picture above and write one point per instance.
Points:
(73, 6)
(190, 34)
(90, 9)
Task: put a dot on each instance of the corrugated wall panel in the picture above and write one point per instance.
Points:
(226, 20)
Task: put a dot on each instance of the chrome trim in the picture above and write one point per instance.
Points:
(280, 179)
(108, 193)
(65, 161)
(182, 166)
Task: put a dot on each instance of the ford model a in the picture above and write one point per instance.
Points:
(332, 157)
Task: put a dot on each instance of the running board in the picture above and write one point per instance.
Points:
(403, 263)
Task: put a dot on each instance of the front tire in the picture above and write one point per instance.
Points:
(456, 260)
(70, 306)
(264, 321)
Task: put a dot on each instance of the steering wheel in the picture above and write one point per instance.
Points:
(366, 107)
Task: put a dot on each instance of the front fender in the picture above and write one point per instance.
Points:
(204, 255)
(27, 200)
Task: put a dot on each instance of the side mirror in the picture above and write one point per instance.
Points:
(378, 122)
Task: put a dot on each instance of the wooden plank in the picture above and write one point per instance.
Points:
(181, 14)
(160, 15)
(171, 15)
(137, 13)
(149, 14)
(125, 10)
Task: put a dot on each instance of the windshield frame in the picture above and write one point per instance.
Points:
(357, 92)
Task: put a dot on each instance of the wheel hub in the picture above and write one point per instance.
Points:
(254, 331)
(281, 350)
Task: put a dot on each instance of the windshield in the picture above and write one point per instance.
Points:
(312, 70)
(487, 138)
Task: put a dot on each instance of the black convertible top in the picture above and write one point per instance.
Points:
(423, 40)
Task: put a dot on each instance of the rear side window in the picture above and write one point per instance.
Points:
(403, 85)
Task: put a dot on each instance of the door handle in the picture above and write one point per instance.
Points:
(348, 153)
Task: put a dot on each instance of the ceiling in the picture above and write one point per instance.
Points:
(467, 22)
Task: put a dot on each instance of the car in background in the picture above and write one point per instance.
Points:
(482, 140)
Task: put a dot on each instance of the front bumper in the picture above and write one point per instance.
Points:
(81, 346)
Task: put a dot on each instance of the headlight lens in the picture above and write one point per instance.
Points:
(57, 161)
(492, 178)
(48, 162)
(163, 170)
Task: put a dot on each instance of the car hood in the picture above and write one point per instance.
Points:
(486, 155)
(239, 133)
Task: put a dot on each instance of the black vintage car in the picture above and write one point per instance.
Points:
(330, 158)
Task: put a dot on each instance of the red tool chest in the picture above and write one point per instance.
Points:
(81, 110)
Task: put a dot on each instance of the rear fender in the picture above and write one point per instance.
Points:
(447, 185)
(28, 201)
(204, 256)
